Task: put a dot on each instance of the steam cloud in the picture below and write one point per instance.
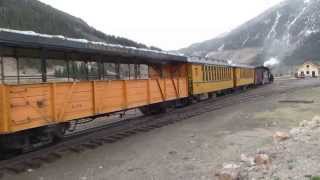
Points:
(271, 62)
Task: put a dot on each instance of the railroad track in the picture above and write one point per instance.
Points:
(95, 137)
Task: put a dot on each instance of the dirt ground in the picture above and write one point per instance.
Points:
(189, 150)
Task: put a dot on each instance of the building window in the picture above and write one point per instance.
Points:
(308, 72)
(308, 66)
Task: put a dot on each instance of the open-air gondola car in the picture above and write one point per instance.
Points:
(90, 80)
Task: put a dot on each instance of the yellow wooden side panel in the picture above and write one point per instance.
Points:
(182, 82)
(30, 106)
(157, 90)
(172, 91)
(137, 93)
(199, 86)
(197, 73)
(183, 87)
(242, 81)
(110, 96)
(73, 100)
(206, 87)
(2, 110)
(237, 71)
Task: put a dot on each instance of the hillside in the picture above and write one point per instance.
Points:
(288, 32)
(32, 15)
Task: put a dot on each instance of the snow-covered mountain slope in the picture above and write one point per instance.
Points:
(33, 15)
(289, 32)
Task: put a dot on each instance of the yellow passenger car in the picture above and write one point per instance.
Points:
(209, 77)
(243, 76)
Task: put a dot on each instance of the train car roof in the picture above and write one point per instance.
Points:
(29, 39)
(243, 66)
(262, 67)
(201, 60)
(210, 61)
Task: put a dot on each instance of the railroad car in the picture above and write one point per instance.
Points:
(262, 75)
(48, 82)
(208, 77)
(243, 76)
(36, 111)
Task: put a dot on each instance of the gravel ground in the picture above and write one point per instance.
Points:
(296, 158)
(193, 149)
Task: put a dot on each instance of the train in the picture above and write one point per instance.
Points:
(96, 79)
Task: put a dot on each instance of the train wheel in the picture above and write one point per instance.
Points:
(244, 88)
(7, 154)
(212, 95)
(151, 109)
(157, 108)
(145, 110)
(60, 131)
(183, 102)
(30, 140)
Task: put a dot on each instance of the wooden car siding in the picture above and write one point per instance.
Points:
(38, 105)
(243, 81)
(3, 109)
(198, 84)
(206, 87)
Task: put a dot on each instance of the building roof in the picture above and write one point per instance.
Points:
(310, 62)
(29, 39)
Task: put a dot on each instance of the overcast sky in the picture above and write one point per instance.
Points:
(168, 24)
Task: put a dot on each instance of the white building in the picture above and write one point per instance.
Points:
(308, 69)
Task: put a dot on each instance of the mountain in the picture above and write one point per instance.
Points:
(288, 33)
(33, 15)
